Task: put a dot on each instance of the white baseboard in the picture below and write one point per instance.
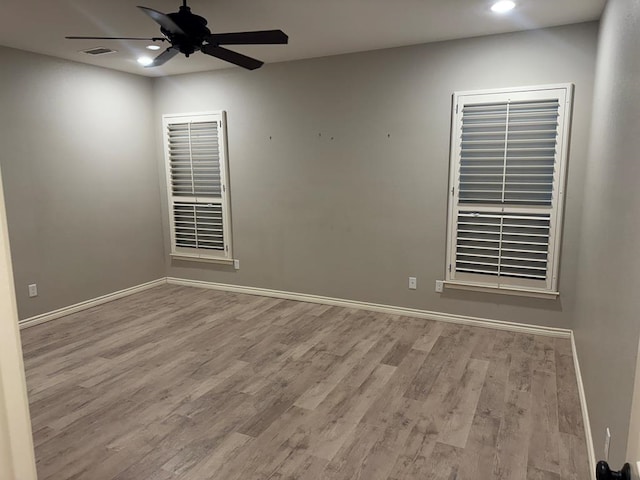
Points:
(585, 412)
(374, 307)
(302, 297)
(61, 312)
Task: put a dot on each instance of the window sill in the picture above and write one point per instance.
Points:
(515, 291)
(194, 258)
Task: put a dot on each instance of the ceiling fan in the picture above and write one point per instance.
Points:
(187, 33)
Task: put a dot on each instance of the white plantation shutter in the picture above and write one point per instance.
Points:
(506, 244)
(198, 225)
(194, 159)
(508, 158)
(196, 162)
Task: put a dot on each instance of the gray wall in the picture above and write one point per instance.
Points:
(607, 322)
(80, 179)
(339, 166)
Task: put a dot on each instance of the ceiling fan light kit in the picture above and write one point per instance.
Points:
(188, 33)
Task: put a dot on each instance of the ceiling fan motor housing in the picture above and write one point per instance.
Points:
(195, 28)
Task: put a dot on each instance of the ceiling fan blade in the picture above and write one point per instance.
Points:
(152, 39)
(260, 37)
(163, 20)
(164, 57)
(232, 57)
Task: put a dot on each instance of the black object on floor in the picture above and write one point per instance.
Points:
(603, 472)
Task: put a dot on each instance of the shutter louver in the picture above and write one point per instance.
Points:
(508, 152)
(508, 245)
(198, 225)
(194, 159)
(508, 163)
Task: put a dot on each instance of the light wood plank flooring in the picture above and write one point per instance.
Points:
(182, 383)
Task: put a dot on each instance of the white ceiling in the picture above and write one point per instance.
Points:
(316, 28)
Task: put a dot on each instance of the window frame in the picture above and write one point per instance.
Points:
(200, 254)
(491, 283)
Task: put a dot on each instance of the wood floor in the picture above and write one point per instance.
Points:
(182, 383)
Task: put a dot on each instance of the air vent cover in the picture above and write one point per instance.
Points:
(98, 51)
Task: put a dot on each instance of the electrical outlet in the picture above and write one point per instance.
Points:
(607, 444)
(33, 290)
(413, 283)
(236, 264)
(439, 286)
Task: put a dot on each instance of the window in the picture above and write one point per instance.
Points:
(196, 162)
(508, 163)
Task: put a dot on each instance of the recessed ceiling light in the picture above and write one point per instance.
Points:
(153, 47)
(503, 6)
(144, 61)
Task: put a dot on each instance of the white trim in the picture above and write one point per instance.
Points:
(61, 312)
(17, 460)
(375, 307)
(585, 412)
(501, 289)
(304, 297)
(201, 259)
(493, 91)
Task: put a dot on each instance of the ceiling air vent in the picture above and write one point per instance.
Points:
(98, 51)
